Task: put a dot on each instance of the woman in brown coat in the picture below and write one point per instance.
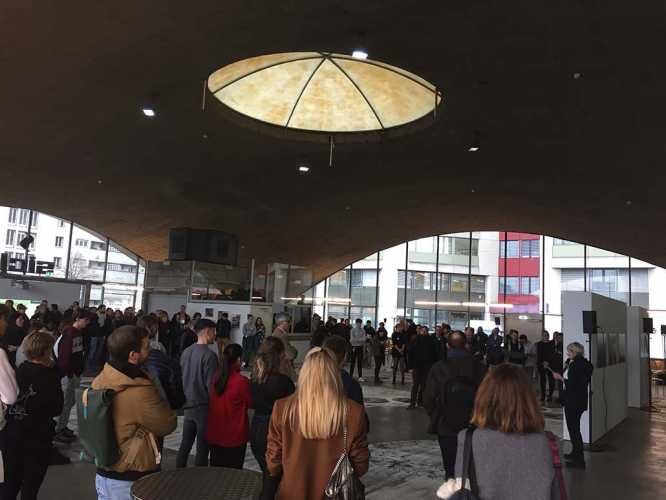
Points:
(305, 436)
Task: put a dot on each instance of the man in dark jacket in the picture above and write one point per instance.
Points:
(545, 354)
(422, 354)
(449, 397)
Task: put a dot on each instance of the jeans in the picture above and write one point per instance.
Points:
(229, 457)
(194, 426)
(379, 361)
(112, 489)
(95, 352)
(543, 376)
(357, 356)
(448, 445)
(25, 467)
(419, 376)
(399, 363)
(573, 416)
(258, 439)
(69, 386)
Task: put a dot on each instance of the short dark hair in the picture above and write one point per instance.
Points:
(523, 336)
(225, 315)
(202, 324)
(338, 346)
(457, 340)
(359, 320)
(124, 340)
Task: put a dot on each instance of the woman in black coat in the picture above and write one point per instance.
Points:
(576, 377)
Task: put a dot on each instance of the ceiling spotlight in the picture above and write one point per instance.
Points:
(476, 142)
(576, 76)
(148, 112)
(359, 54)
(304, 168)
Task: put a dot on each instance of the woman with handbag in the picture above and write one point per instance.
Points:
(317, 437)
(507, 434)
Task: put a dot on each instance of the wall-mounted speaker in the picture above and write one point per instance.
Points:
(648, 325)
(590, 322)
(497, 320)
(663, 329)
(203, 245)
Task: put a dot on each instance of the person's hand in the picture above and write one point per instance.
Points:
(546, 364)
(557, 376)
(12, 348)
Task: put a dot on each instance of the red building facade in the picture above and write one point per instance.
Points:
(520, 271)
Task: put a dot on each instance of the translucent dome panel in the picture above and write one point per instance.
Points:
(323, 92)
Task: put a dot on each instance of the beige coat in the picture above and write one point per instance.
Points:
(139, 416)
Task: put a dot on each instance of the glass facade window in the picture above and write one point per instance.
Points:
(529, 248)
(512, 249)
(23, 217)
(432, 281)
(55, 241)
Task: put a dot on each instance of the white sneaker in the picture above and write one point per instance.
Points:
(360, 379)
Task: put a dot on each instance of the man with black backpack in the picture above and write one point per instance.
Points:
(449, 397)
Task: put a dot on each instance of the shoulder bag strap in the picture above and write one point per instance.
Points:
(467, 458)
(344, 429)
(557, 464)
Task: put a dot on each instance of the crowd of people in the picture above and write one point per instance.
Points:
(302, 417)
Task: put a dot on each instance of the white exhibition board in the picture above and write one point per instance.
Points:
(607, 351)
(638, 384)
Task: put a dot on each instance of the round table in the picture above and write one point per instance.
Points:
(199, 483)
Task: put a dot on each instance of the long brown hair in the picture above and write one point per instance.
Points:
(268, 359)
(506, 402)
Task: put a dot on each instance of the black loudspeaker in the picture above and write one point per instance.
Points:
(648, 325)
(590, 322)
(26, 242)
(497, 320)
(203, 245)
(663, 329)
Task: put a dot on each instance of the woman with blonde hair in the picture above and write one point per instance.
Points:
(511, 456)
(306, 431)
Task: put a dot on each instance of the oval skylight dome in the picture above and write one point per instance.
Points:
(323, 92)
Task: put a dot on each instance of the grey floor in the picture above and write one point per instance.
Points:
(406, 462)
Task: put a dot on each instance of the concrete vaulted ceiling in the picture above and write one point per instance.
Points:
(576, 157)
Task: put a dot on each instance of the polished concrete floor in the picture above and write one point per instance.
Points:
(406, 462)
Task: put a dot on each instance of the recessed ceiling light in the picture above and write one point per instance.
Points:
(148, 112)
(303, 168)
(576, 76)
(359, 54)
(473, 148)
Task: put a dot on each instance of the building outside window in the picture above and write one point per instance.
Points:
(57, 262)
(12, 215)
(59, 241)
(11, 235)
(23, 217)
(81, 242)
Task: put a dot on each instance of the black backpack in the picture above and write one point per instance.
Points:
(457, 396)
